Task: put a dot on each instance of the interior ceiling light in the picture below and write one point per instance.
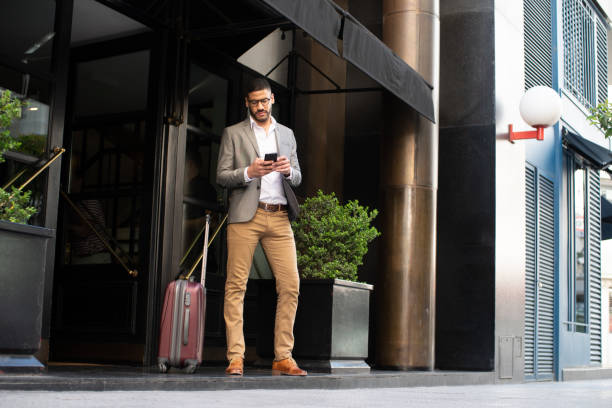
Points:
(46, 38)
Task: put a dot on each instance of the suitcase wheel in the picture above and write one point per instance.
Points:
(191, 368)
(163, 367)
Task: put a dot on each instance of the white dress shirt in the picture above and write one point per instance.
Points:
(271, 184)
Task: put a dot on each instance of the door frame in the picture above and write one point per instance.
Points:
(140, 42)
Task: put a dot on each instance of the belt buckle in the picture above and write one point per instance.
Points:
(270, 207)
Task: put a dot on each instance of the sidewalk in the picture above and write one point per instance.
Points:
(583, 394)
(122, 378)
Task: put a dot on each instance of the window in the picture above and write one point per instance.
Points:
(578, 278)
(585, 53)
(26, 44)
(584, 253)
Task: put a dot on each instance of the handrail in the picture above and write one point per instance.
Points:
(132, 272)
(58, 152)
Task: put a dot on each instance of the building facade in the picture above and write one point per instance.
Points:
(565, 47)
(515, 220)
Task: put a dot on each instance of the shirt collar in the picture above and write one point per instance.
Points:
(272, 123)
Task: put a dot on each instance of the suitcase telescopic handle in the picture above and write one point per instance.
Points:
(205, 251)
(195, 264)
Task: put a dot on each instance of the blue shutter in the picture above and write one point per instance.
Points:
(530, 270)
(545, 277)
(539, 275)
(537, 39)
(594, 262)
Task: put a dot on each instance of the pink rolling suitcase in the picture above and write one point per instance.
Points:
(182, 324)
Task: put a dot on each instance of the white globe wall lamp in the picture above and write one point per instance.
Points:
(540, 107)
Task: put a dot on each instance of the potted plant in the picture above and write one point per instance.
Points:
(23, 252)
(332, 321)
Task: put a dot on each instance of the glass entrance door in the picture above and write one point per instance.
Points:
(101, 273)
(207, 116)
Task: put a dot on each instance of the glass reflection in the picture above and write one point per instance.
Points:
(205, 123)
(579, 249)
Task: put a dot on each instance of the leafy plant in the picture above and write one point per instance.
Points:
(33, 145)
(10, 109)
(14, 206)
(331, 239)
(601, 116)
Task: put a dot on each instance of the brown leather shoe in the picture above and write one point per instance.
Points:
(287, 366)
(235, 367)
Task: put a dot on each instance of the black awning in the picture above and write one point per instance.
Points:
(372, 56)
(599, 157)
(323, 21)
(317, 17)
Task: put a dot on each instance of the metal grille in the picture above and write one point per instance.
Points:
(602, 62)
(594, 262)
(585, 52)
(539, 275)
(538, 42)
(530, 270)
(545, 277)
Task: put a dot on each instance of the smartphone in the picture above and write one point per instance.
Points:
(270, 156)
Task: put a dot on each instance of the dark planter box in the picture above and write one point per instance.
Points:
(331, 325)
(23, 251)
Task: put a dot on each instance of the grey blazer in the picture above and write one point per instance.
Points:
(237, 151)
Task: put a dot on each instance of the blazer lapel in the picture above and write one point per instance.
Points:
(250, 135)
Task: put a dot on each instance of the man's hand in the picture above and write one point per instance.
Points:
(260, 168)
(282, 165)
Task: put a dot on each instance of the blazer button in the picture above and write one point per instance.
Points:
(258, 187)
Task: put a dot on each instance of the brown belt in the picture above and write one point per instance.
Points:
(272, 207)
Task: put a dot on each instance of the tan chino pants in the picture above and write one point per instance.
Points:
(274, 231)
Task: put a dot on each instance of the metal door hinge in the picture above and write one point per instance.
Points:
(173, 120)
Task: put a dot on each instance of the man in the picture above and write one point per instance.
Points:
(258, 213)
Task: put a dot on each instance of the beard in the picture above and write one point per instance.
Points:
(258, 116)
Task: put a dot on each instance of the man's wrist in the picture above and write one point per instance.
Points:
(247, 179)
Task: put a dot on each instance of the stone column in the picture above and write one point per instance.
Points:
(405, 287)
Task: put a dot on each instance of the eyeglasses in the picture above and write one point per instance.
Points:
(255, 102)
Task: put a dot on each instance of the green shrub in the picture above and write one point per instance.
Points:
(33, 145)
(601, 116)
(14, 206)
(10, 109)
(331, 239)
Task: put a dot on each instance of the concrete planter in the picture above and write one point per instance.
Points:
(23, 250)
(331, 325)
